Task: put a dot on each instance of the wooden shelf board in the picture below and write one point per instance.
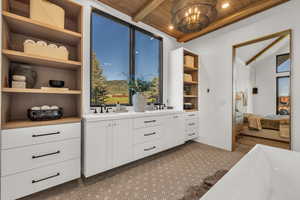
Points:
(27, 123)
(39, 91)
(191, 82)
(27, 26)
(39, 60)
(186, 68)
(190, 96)
(191, 110)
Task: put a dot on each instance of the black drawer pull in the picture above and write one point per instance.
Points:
(151, 148)
(151, 121)
(191, 124)
(43, 179)
(48, 154)
(192, 134)
(47, 134)
(149, 134)
(175, 117)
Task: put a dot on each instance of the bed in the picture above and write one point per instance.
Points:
(273, 127)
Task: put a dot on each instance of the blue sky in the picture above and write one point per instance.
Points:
(284, 86)
(111, 45)
(285, 66)
(284, 83)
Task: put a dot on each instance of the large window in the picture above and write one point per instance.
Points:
(283, 95)
(121, 52)
(147, 63)
(283, 63)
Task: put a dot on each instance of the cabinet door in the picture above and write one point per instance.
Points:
(174, 131)
(96, 147)
(122, 142)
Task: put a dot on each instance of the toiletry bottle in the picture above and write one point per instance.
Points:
(118, 107)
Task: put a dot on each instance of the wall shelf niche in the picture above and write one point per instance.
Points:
(27, 26)
(191, 66)
(17, 26)
(184, 90)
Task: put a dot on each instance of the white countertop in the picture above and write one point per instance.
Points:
(113, 116)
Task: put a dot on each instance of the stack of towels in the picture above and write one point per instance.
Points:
(19, 81)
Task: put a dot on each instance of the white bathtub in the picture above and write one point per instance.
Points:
(265, 173)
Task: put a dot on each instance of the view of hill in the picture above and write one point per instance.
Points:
(117, 87)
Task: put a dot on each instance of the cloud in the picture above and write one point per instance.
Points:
(107, 64)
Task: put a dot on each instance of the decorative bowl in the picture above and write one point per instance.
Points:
(56, 83)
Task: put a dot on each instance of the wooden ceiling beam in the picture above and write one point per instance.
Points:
(265, 49)
(249, 11)
(146, 10)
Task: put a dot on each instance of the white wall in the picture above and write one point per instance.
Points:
(216, 70)
(169, 44)
(243, 83)
(265, 100)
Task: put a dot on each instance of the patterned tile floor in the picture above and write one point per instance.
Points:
(161, 177)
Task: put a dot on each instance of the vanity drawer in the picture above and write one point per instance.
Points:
(147, 122)
(37, 135)
(147, 134)
(191, 115)
(146, 149)
(23, 184)
(27, 158)
(191, 124)
(191, 134)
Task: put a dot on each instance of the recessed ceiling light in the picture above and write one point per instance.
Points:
(171, 27)
(225, 5)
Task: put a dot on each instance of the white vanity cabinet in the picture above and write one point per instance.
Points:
(96, 141)
(114, 140)
(122, 142)
(37, 158)
(174, 133)
(191, 125)
(107, 144)
(148, 136)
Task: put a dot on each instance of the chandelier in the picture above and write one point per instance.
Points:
(193, 15)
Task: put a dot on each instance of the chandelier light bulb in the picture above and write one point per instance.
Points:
(194, 15)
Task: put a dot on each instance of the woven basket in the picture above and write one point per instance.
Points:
(189, 61)
(188, 78)
(47, 12)
(42, 49)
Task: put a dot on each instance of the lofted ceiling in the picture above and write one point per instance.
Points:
(249, 52)
(157, 13)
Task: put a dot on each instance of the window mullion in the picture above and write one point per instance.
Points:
(132, 59)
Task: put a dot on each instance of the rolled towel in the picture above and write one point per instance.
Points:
(36, 108)
(29, 42)
(45, 107)
(41, 43)
(63, 48)
(54, 108)
(53, 46)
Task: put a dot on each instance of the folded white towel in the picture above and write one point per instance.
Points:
(19, 78)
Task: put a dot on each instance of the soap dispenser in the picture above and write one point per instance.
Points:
(118, 107)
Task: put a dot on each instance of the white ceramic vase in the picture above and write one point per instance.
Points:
(139, 102)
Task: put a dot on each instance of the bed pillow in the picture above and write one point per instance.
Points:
(254, 123)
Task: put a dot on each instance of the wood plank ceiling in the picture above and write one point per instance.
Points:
(157, 13)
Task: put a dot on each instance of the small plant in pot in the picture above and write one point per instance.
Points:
(138, 87)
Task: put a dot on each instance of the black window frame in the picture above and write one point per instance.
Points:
(132, 29)
(277, 91)
(277, 64)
